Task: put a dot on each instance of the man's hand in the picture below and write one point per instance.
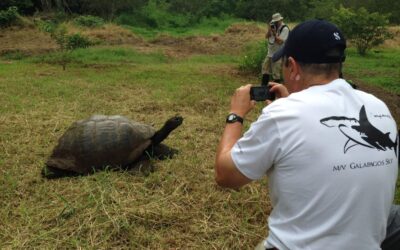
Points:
(279, 89)
(240, 101)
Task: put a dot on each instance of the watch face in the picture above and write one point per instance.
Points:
(232, 117)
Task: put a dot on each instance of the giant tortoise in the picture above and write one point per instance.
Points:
(103, 141)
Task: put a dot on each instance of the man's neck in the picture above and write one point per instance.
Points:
(313, 80)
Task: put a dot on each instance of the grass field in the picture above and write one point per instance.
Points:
(377, 68)
(176, 207)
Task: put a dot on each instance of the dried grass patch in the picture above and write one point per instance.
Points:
(26, 40)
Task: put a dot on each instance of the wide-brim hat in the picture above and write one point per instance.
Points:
(277, 17)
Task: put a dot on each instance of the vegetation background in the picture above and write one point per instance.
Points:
(64, 60)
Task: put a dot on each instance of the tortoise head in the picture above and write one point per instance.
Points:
(173, 122)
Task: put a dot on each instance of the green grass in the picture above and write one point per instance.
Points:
(378, 68)
(205, 27)
(105, 56)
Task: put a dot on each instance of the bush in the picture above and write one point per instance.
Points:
(8, 17)
(76, 41)
(129, 19)
(67, 42)
(155, 14)
(46, 26)
(89, 21)
(364, 29)
(254, 56)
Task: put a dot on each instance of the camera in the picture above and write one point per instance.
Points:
(273, 25)
(261, 93)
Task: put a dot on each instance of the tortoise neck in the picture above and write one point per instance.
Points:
(160, 135)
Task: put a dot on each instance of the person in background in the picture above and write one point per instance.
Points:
(329, 151)
(277, 33)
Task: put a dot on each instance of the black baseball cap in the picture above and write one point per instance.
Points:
(314, 41)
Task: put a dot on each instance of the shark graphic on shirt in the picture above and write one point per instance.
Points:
(361, 132)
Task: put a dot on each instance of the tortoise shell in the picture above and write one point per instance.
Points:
(100, 141)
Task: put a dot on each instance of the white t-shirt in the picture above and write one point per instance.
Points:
(331, 167)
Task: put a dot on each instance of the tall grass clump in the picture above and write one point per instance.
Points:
(89, 21)
(253, 57)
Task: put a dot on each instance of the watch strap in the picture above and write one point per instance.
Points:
(232, 118)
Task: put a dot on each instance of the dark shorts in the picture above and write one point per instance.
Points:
(392, 240)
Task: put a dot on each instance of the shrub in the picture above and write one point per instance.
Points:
(155, 14)
(76, 41)
(364, 29)
(8, 17)
(253, 58)
(89, 21)
(66, 42)
(46, 26)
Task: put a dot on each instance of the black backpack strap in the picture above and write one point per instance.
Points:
(282, 27)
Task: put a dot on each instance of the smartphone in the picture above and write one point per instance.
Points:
(261, 93)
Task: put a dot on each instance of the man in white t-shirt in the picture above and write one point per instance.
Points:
(276, 35)
(329, 151)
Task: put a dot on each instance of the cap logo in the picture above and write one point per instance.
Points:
(336, 35)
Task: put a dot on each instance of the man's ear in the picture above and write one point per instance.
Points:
(294, 70)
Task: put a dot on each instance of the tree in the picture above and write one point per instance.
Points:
(364, 29)
(24, 6)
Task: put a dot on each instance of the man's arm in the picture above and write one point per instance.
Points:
(226, 173)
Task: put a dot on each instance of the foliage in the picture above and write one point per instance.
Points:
(8, 17)
(366, 30)
(89, 21)
(46, 26)
(24, 6)
(108, 9)
(253, 58)
(321, 9)
(260, 10)
(76, 41)
(156, 14)
(66, 42)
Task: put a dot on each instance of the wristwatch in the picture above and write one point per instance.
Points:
(232, 118)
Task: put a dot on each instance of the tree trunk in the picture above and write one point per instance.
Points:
(54, 5)
(46, 5)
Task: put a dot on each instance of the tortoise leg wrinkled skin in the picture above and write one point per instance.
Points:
(54, 173)
(160, 152)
